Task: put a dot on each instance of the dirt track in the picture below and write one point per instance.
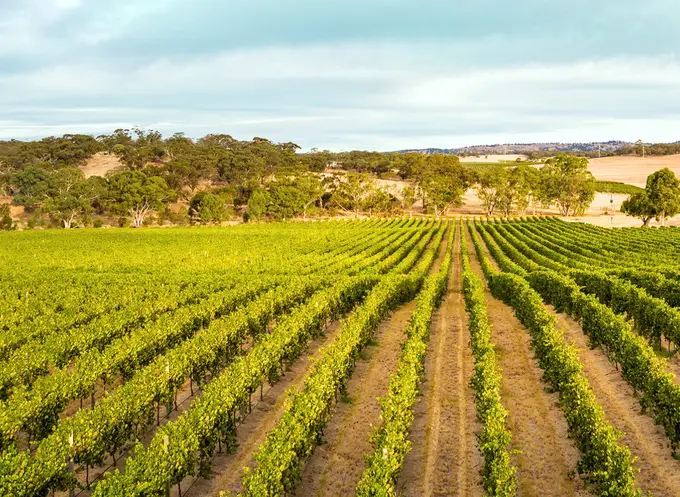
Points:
(658, 473)
(336, 466)
(546, 457)
(252, 432)
(444, 459)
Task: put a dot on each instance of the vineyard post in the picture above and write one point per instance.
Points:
(166, 443)
(71, 465)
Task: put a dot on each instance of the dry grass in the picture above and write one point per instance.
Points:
(100, 164)
(632, 170)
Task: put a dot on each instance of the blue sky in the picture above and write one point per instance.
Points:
(370, 74)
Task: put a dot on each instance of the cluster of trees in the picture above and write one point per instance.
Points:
(660, 198)
(640, 148)
(68, 198)
(44, 176)
(564, 181)
(406, 165)
(218, 178)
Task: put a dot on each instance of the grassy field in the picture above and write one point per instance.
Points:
(616, 187)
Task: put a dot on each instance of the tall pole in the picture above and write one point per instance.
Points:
(611, 209)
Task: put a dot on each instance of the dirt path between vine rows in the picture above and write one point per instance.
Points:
(546, 456)
(335, 467)
(672, 364)
(658, 473)
(227, 469)
(444, 459)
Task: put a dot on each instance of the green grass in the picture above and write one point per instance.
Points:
(616, 187)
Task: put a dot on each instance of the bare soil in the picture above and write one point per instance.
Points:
(100, 164)
(335, 467)
(672, 363)
(658, 473)
(545, 457)
(227, 469)
(444, 458)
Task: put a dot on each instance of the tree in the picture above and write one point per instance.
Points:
(351, 190)
(135, 194)
(6, 222)
(408, 198)
(286, 201)
(663, 192)
(492, 188)
(69, 196)
(517, 193)
(258, 203)
(411, 162)
(566, 181)
(639, 205)
(380, 201)
(526, 180)
(316, 160)
(443, 181)
(135, 152)
(30, 186)
(208, 208)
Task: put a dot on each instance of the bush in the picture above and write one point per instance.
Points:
(181, 217)
(98, 223)
(6, 222)
(161, 216)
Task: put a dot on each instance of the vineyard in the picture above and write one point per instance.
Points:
(375, 357)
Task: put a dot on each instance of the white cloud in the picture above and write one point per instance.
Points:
(61, 4)
(371, 95)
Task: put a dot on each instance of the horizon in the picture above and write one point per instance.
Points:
(344, 75)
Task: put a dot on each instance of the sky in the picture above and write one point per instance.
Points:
(341, 75)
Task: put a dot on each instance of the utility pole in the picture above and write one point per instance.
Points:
(611, 209)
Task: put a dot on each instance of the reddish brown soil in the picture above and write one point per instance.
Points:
(545, 456)
(444, 459)
(658, 473)
(336, 466)
(252, 431)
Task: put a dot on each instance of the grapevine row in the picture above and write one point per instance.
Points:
(390, 441)
(498, 475)
(604, 463)
(191, 440)
(280, 457)
(119, 416)
(36, 411)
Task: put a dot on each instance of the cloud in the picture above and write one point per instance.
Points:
(370, 73)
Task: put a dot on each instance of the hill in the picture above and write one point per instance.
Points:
(527, 148)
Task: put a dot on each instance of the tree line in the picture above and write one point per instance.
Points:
(216, 178)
